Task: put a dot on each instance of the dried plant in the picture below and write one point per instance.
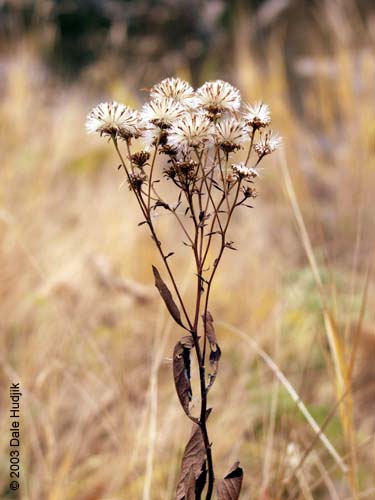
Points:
(190, 139)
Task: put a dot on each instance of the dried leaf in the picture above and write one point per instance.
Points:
(167, 297)
(193, 462)
(229, 488)
(190, 491)
(208, 322)
(181, 371)
(215, 351)
(162, 204)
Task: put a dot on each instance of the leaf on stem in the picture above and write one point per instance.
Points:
(181, 371)
(167, 297)
(193, 465)
(190, 491)
(229, 488)
(162, 204)
(215, 351)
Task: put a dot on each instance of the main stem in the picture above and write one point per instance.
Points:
(197, 249)
(203, 388)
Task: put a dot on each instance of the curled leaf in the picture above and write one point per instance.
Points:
(229, 488)
(167, 297)
(181, 371)
(215, 352)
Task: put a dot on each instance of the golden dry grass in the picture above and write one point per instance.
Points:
(84, 332)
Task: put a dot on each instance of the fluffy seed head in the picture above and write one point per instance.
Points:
(162, 112)
(229, 134)
(257, 115)
(177, 89)
(218, 97)
(193, 130)
(268, 143)
(244, 172)
(115, 120)
(153, 135)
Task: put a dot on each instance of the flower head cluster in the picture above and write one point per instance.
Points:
(182, 123)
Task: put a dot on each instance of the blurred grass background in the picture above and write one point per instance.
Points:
(81, 326)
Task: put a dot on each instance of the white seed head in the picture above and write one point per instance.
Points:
(218, 97)
(162, 112)
(177, 89)
(114, 119)
(230, 133)
(244, 172)
(268, 143)
(193, 130)
(152, 134)
(257, 115)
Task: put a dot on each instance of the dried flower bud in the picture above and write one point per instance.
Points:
(140, 158)
(170, 172)
(231, 178)
(249, 192)
(186, 168)
(168, 150)
(136, 180)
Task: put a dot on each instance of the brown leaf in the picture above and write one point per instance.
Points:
(229, 488)
(181, 371)
(167, 297)
(208, 322)
(215, 352)
(190, 491)
(193, 463)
